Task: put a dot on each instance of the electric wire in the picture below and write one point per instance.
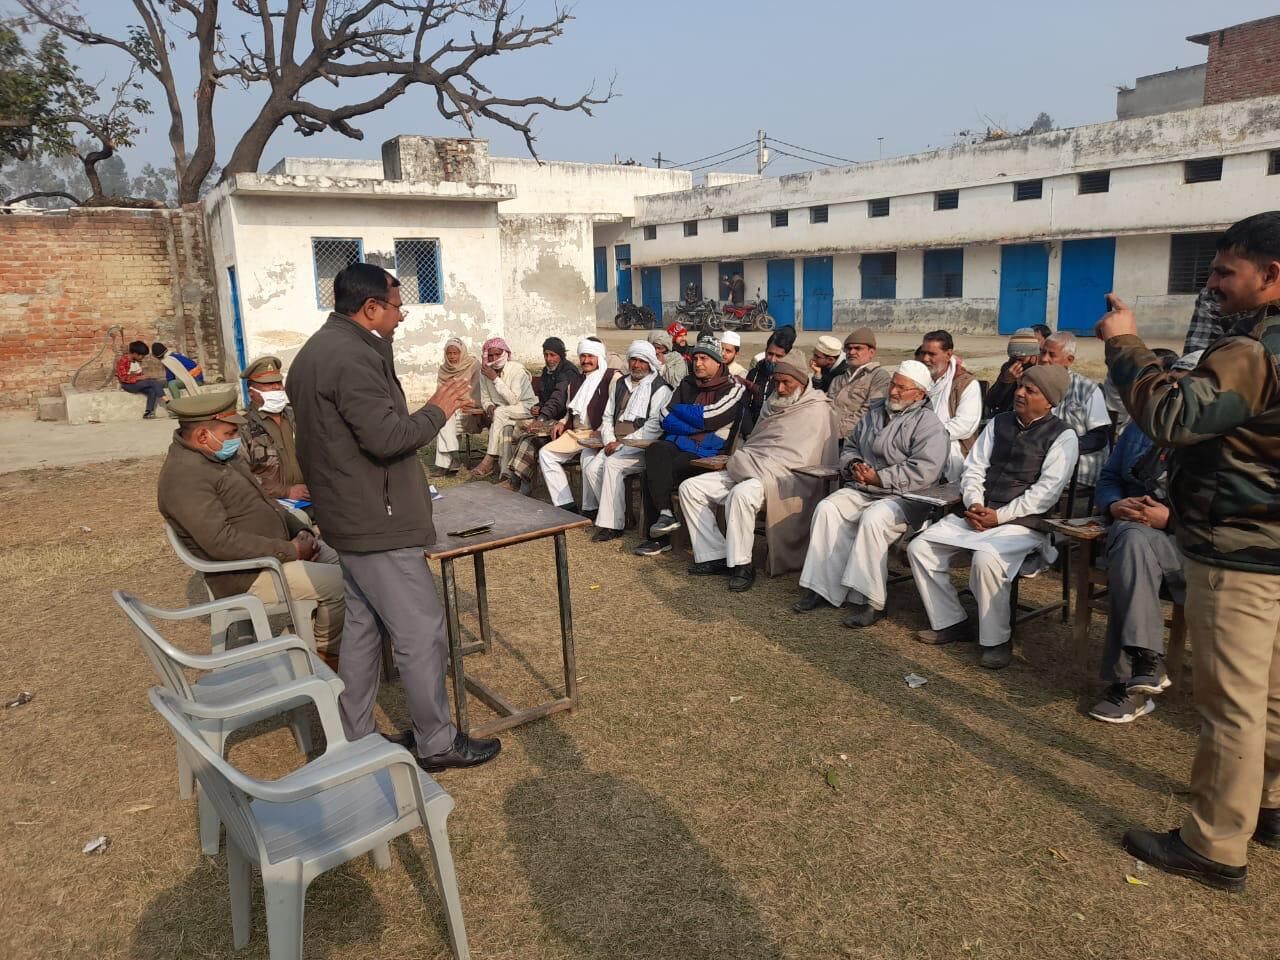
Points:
(716, 163)
(783, 153)
(749, 143)
(818, 153)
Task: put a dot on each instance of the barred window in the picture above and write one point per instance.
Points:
(878, 208)
(1190, 256)
(944, 273)
(946, 200)
(730, 224)
(651, 233)
(331, 255)
(780, 218)
(818, 214)
(1095, 181)
(1202, 171)
(691, 228)
(879, 276)
(418, 270)
(1028, 190)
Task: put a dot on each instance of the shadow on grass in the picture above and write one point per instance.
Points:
(613, 869)
(193, 918)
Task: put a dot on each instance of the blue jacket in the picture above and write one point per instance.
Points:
(1116, 482)
(703, 429)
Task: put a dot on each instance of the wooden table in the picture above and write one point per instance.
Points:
(516, 519)
(718, 462)
(1086, 534)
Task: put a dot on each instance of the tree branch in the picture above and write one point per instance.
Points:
(37, 194)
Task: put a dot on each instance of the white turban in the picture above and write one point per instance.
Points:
(593, 347)
(916, 372)
(643, 350)
(731, 338)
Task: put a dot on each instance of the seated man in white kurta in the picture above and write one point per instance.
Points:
(506, 395)
(1015, 473)
(582, 419)
(797, 428)
(898, 445)
(634, 412)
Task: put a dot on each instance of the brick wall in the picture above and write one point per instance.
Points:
(66, 278)
(1244, 61)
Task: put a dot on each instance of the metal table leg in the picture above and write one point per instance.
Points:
(456, 659)
(566, 621)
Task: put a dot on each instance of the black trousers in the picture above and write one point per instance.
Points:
(154, 390)
(666, 466)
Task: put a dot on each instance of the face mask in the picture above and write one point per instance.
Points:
(228, 449)
(499, 363)
(274, 401)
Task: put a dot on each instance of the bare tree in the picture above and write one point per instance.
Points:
(288, 45)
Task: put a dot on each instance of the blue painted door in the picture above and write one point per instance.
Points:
(1088, 270)
(691, 273)
(622, 256)
(1024, 285)
(237, 329)
(782, 291)
(651, 289)
(816, 314)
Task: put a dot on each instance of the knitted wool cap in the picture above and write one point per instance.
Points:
(1023, 343)
(795, 364)
(1049, 379)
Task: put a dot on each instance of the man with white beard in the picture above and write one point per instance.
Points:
(955, 397)
(898, 446)
(634, 412)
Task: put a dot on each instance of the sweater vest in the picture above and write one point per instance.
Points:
(1017, 455)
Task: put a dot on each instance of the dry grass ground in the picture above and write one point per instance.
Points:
(685, 811)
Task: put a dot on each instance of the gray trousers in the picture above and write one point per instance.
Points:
(392, 593)
(1139, 559)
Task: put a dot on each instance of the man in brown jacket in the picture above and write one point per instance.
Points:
(220, 512)
(862, 381)
(358, 445)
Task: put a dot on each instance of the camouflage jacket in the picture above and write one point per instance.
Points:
(271, 452)
(1223, 421)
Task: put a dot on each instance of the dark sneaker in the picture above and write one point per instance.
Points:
(589, 514)
(604, 535)
(1118, 705)
(810, 601)
(1268, 829)
(651, 548)
(961, 632)
(1167, 852)
(465, 752)
(1149, 675)
(997, 657)
(742, 578)
(705, 568)
(665, 525)
(862, 615)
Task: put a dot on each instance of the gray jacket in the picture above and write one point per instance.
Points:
(908, 450)
(358, 443)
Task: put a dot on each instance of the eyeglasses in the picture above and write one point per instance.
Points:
(394, 306)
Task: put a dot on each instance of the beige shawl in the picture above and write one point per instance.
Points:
(803, 434)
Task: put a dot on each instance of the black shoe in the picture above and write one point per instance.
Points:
(1147, 674)
(465, 752)
(149, 416)
(742, 578)
(589, 514)
(651, 548)
(997, 657)
(604, 535)
(810, 601)
(1168, 852)
(961, 632)
(1267, 832)
(862, 615)
(706, 568)
(402, 739)
(665, 525)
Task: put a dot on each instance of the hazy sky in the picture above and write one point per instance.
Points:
(698, 76)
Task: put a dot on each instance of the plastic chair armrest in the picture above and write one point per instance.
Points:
(340, 763)
(243, 601)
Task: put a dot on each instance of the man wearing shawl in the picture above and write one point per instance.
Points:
(797, 428)
(673, 367)
(1012, 478)
(457, 365)
(634, 412)
(583, 416)
(506, 394)
(554, 383)
(898, 446)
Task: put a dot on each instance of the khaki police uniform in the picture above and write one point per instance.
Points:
(269, 438)
(221, 512)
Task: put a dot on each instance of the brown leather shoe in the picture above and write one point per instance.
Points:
(961, 632)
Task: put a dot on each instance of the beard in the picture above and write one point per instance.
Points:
(778, 402)
(896, 406)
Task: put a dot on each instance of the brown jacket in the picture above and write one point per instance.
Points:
(853, 392)
(959, 383)
(220, 512)
(272, 455)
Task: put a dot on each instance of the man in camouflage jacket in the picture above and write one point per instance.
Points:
(1223, 422)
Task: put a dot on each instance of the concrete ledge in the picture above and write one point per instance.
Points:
(51, 408)
(104, 406)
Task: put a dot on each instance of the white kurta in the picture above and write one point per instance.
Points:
(963, 424)
(999, 553)
(511, 395)
(699, 497)
(604, 475)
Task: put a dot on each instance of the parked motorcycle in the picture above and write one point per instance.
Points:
(698, 315)
(631, 316)
(747, 316)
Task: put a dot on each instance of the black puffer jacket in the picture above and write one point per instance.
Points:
(358, 442)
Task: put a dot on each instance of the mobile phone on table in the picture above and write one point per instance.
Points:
(473, 531)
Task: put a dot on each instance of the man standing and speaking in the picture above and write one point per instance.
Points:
(358, 443)
(1223, 421)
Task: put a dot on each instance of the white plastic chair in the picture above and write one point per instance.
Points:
(230, 676)
(299, 612)
(352, 800)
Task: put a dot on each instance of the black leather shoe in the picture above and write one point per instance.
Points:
(604, 535)
(465, 752)
(956, 633)
(705, 568)
(997, 657)
(402, 739)
(862, 615)
(1267, 832)
(742, 578)
(810, 601)
(1168, 852)
(589, 514)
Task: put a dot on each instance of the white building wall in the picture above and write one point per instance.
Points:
(597, 188)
